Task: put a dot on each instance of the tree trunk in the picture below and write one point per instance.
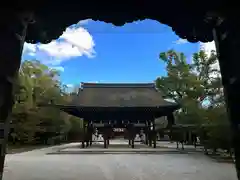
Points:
(12, 40)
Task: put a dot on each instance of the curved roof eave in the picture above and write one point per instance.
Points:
(187, 21)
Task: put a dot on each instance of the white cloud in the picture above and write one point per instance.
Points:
(29, 49)
(210, 48)
(59, 68)
(93, 82)
(70, 85)
(74, 42)
(181, 41)
(81, 39)
(83, 22)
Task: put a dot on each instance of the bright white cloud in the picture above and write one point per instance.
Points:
(93, 82)
(83, 22)
(70, 85)
(209, 48)
(181, 41)
(74, 42)
(59, 68)
(29, 49)
(81, 40)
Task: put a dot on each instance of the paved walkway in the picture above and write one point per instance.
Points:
(121, 146)
(37, 165)
(116, 146)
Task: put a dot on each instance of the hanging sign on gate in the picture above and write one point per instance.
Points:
(118, 129)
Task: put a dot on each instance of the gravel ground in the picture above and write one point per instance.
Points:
(39, 166)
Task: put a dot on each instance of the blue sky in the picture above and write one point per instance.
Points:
(93, 51)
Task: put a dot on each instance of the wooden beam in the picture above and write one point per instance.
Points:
(140, 125)
(13, 35)
(97, 125)
(227, 40)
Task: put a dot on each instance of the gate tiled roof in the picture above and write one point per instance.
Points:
(120, 95)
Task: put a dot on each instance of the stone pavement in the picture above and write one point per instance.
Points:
(121, 146)
(37, 165)
(115, 146)
(173, 145)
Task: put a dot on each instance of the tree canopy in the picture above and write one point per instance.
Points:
(30, 124)
(196, 85)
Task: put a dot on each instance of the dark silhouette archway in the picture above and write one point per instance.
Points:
(44, 21)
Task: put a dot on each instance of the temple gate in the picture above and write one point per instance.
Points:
(120, 109)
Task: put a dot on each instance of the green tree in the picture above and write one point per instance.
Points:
(37, 83)
(181, 84)
(196, 85)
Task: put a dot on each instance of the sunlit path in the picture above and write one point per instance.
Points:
(39, 166)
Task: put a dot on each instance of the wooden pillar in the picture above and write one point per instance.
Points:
(87, 134)
(190, 137)
(146, 133)
(91, 140)
(149, 134)
(105, 142)
(142, 135)
(132, 144)
(109, 134)
(13, 33)
(171, 120)
(227, 40)
(91, 133)
(105, 136)
(133, 134)
(154, 135)
(84, 136)
(129, 134)
(83, 144)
